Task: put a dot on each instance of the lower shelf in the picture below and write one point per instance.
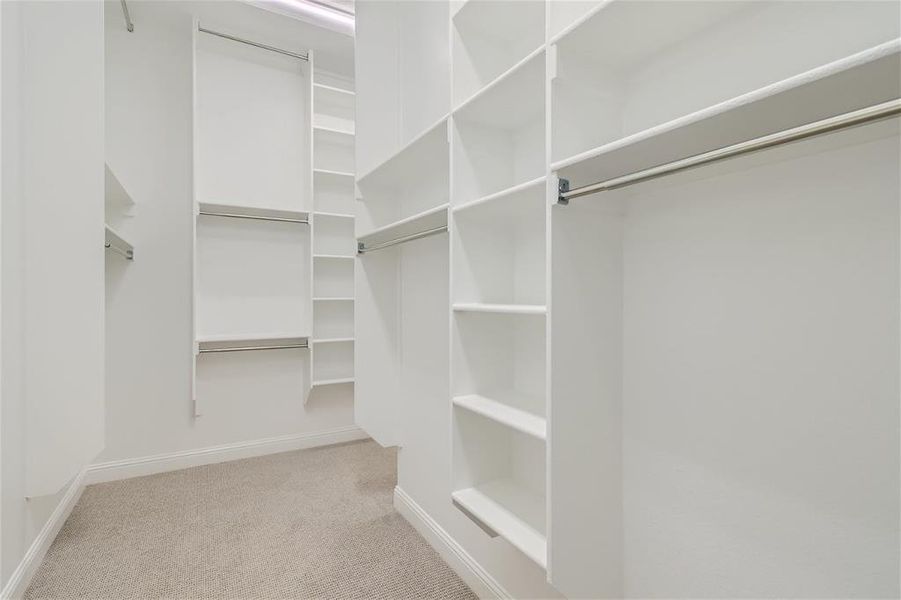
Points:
(324, 382)
(500, 409)
(510, 510)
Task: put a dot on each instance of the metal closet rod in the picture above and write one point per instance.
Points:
(362, 248)
(128, 24)
(252, 43)
(855, 118)
(254, 217)
(129, 254)
(248, 348)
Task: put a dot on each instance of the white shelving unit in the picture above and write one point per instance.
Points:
(539, 365)
(334, 249)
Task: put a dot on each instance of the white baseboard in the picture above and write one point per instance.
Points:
(470, 571)
(22, 576)
(160, 463)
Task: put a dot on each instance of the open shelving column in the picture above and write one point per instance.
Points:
(498, 271)
(333, 243)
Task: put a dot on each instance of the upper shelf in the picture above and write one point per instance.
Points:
(425, 151)
(433, 218)
(252, 212)
(864, 79)
(514, 98)
(118, 201)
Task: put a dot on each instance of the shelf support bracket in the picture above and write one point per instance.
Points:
(562, 188)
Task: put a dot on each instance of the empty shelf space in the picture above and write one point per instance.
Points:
(615, 114)
(339, 381)
(428, 146)
(333, 256)
(251, 212)
(511, 511)
(333, 195)
(340, 135)
(500, 408)
(333, 108)
(117, 199)
(512, 309)
(490, 37)
(434, 218)
(503, 194)
(333, 150)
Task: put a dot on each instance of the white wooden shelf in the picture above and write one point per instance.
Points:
(333, 215)
(515, 513)
(511, 309)
(333, 173)
(430, 219)
(512, 99)
(330, 89)
(324, 382)
(501, 411)
(334, 256)
(116, 197)
(342, 135)
(503, 194)
(528, 61)
(251, 212)
(864, 79)
(334, 299)
(114, 241)
(341, 340)
(493, 37)
(421, 151)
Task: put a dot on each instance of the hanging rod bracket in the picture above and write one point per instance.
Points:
(128, 24)
(562, 188)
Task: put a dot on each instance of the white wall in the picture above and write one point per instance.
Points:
(52, 227)
(247, 397)
(761, 379)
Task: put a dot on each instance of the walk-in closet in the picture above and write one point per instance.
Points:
(450, 299)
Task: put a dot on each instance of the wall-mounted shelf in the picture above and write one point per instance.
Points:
(343, 340)
(338, 381)
(864, 79)
(501, 407)
(333, 256)
(333, 173)
(116, 243)
(251, 212)
(334, 299)
(511, 511)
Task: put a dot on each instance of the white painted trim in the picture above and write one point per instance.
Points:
(160, 463)
(34, 556)
(469, 570)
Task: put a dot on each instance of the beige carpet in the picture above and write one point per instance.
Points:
(310, 524)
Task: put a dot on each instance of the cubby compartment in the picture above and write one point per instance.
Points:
(413, 182)
(333, 108)
(499, 481)
(333, 235)
(252, 277)
(333, 193)
(333, 363)
(499, 248)
(718, 72)
(333, 319)
(499, 136)
(252, 125)
(333, 278)
(333, 150)
(501, 356)
(404, 75)
(491, 37)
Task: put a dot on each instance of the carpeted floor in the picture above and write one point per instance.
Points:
(315, 523)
